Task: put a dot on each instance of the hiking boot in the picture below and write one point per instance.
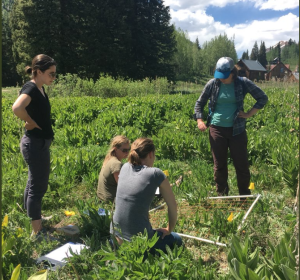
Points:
(223, 193)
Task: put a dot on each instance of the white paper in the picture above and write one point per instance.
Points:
(62, 252)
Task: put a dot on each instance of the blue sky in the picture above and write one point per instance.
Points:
(242, 12)
(246, 21)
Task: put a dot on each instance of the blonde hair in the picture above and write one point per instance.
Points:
(140, 148)
(116, 142)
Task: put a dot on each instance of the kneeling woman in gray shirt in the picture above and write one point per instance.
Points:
(138, 181)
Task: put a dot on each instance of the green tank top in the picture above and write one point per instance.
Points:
(226, 107)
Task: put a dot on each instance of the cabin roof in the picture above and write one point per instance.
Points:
(253, 65)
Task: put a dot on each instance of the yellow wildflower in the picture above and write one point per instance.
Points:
(251, 187)
(69, 213)
(19, 232)
(5, 221)
(230, 218)
(166, 172)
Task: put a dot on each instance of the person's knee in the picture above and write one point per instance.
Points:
(177, 240)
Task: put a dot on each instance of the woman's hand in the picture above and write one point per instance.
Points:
(31, 125)
(165, 232)
(249, 114)
(201, 125)
(243, 115)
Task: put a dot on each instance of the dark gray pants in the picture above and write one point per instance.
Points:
(221, 140)
(36, 153)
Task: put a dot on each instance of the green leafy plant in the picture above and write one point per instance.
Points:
(245, 266)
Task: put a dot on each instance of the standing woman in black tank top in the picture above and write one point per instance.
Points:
(33, 107)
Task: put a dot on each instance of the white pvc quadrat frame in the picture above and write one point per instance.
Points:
(219, 197)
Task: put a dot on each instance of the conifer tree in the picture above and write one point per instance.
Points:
(262, 55)
(198, 44)
(278, 52)
(10, 76)
(132, 39)
(153, 41)
(34, 27)
(245, 55)
(254, 53)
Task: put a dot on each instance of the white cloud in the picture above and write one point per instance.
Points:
(198, 4)
(276, 5)
(193, 5)
(271, 31)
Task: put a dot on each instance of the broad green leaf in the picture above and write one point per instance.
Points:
(289, 274)
(109, 257)
(263, 271)
(141, 274)
(240, 269)
(277, 271)
(252, 275)
(271, 246)
(291, 258)
(40, 275)
(246, 245)
(236, 251)
(16, 272)
(253, 259)
(153, 240)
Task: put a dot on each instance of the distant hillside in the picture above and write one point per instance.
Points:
(288, 54)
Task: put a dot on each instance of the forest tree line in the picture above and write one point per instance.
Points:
(120, 38)
(132, 39)
(288, 54)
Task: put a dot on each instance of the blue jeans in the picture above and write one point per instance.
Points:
(169, 240)
(36, 153)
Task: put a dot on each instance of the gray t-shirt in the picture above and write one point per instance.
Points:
(135, 192)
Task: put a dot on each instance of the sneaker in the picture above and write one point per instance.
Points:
(46, 218)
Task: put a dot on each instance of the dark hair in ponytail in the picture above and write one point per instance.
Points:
(234, 72)
(39, 62)
(140, 148)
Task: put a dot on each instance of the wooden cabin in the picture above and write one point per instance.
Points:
(279, 71)
(293, 77)
(252, 69)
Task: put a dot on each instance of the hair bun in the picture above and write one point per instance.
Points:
(28, 70)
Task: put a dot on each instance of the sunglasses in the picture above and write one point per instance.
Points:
(52, 74)
(124, 150)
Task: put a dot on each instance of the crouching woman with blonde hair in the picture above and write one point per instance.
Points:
(109, 174)
(138, 181)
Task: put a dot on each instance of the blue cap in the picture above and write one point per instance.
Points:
(224, 67)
